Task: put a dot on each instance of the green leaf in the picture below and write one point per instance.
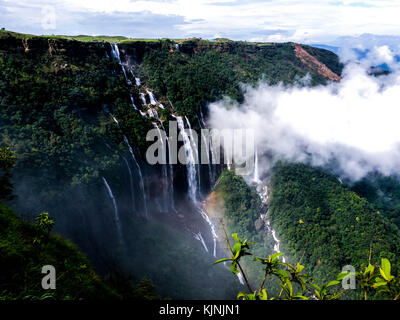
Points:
(236, 250)
(385, 270)
(342, 275)
(233, 268)
(369, 269)
(276, 255)
(235, 236)
(299, 267)
(241, 295)
(263, 295)
(281, 274)
(379, 282)
(222, 260)
(332, 283)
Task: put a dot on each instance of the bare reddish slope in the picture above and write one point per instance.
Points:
(314, 64)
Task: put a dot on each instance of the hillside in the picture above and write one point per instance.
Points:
(325, 224)
(76, 118)
(25, 249)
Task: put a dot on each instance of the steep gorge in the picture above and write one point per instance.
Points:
(77, 114)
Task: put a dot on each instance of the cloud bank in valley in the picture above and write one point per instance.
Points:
(353, 124)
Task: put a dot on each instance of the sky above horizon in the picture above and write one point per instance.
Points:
(307, 21)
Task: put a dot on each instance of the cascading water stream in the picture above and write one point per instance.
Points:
(171, 170)
(116, 214)
(131, 183)
(190, 160)
(199, 237)
(153, 100)
(161, 138)
(115, 54)
(210, 175)
(142, 98)
(212, 228)
(141, 183)
(263, 193)
(256, 178)
(194, 147)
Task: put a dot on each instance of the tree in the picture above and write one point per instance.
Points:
(7, 162)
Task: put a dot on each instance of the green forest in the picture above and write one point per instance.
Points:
(59, 143)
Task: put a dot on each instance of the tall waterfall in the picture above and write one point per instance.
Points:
(161, 137)
(141, 183)
(213, 159)
(262, 191)
(256, 177)
(190, 160)
(171, 171)
(212, 228)
(116, 214)
(210, 174)
(115, 54)
(131, 183)
(196, 153)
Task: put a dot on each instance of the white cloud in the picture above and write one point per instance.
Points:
(305, 21)
(353, 122)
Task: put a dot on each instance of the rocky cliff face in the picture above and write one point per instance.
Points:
(314, 64)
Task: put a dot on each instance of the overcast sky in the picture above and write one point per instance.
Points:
(307, 21)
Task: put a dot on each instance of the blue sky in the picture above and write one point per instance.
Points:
(307, 21)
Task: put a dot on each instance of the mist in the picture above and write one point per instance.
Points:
(353, 124)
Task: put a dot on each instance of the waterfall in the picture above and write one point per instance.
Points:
(143, 98)
(210, 175)
(153, 100)
(137, 165)
(212, 228)
(211, 149)
(196, 153)
(190, 160)
(263, 193)
(133, 102)
(171, 171)
(140, 175)
(199, 237)
(137, 81)
(256, 178)
(116, 214)
(163, 165)
(115, 54)
(131, 183)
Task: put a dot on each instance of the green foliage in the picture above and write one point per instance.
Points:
(339, 227)
(44, 223)
(21, 260)
(293, 283)
(242, 209)
(203, 71)
(384, 284)
(7, 162)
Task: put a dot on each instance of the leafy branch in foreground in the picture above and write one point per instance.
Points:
(293, 283)
(376, 281)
